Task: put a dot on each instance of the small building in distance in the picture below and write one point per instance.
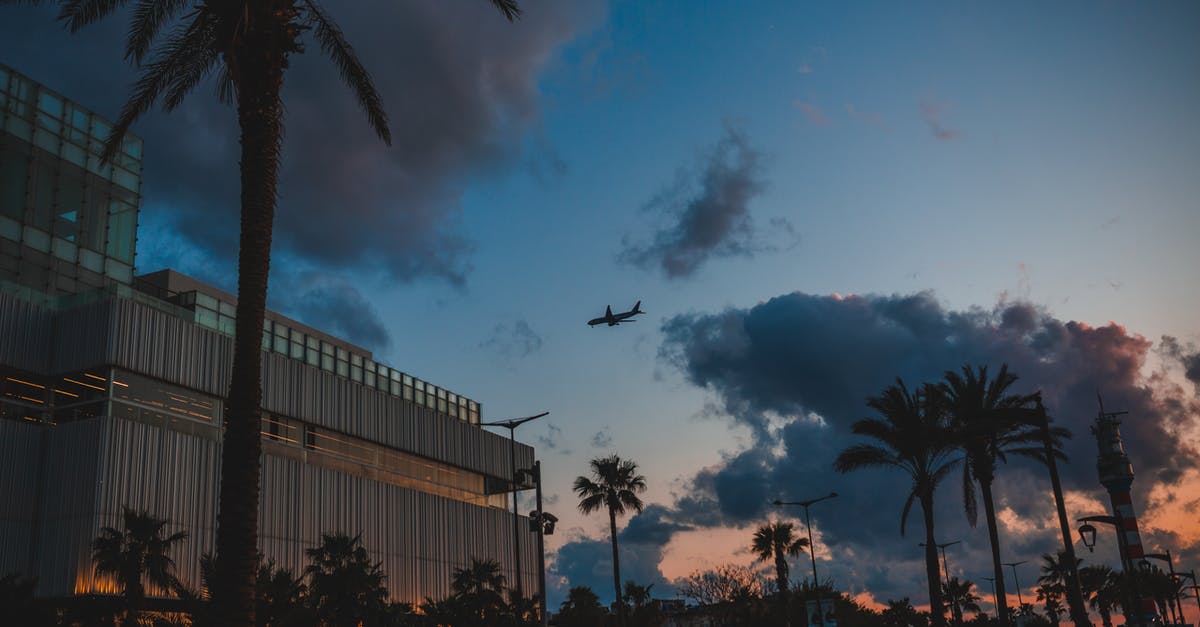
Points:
(111, 391)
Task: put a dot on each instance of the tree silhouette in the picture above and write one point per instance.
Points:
(20, 605)
(1102, 588)
(479, 589)
(581, 609)
(249, 43)
(961, 596)
(913, 435)
(615, 485)
(775, 541)
(901, 613)
(280, 597)
(986, 435)
(345, 588)
(135, 555)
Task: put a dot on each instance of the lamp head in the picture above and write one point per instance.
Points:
(1087, 533)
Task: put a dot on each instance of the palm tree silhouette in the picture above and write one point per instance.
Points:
(776, 541)
(614, 484)
(137, 554)
(986, 435)
(961, 596)
(249, 43)
(915, 436)
(1102, 587)
(344, 587)
(479, 587)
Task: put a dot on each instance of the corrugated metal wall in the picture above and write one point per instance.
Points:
(88, 470)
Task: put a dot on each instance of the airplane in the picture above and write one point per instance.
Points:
(612, 319)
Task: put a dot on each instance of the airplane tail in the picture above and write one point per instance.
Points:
(637, 307)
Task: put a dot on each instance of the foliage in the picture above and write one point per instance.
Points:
(479, 590)
(1102, 589)
(345, 587)
(901, 613)
(961, 597)
(775, 541)
(582, 609)
(136, 555)
(20, 606)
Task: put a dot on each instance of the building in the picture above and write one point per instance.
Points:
(111, 395)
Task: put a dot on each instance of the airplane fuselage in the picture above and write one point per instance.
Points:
(611, 319)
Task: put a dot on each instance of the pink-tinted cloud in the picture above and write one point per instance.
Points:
(932, 113)
(873, 119)
(812, 113)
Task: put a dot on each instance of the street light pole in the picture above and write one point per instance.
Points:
(1088, 534)
(812, 549)
(1176, 607)
(1013, 566)
(946, 564)
(995, 605)
(512, 425)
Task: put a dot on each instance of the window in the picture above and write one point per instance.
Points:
(136, 391)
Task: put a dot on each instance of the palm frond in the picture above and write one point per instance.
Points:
(969, 504)
(334, 44)
(904, 512)
(509, 8)
(149, 16)
(173, 69)
(79, 13)
(864, 456)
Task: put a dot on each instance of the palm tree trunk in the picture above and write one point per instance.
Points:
(781, 582)
(989, 513)
(932, 568)
(259, 77)
(612, 524)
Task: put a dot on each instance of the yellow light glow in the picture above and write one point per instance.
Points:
(86, 385)
(40, 387)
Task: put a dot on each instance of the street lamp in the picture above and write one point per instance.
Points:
(1177, 606)
(995, 605)
(512, 424)
(946, 565)
(542, 523)
(812, 549)
(1087, 532)
(1017, 583)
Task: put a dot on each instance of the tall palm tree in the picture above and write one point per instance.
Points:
(137, 554)
(615, 485)
(914, 435)
(776, 541)
(480, 588)
(248, 42)
(345, 588)
(986, 435)
(1102, 587)
(1056, 570)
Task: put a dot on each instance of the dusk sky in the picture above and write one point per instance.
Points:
(809, 200)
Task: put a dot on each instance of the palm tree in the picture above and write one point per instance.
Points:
(914, 435)
(581, 609)
(1102, 587)
(345, 588)
(614, 484)
(480, 588)
(776, 541)
(961, 596)
(137, 554)
(986, 435)
(249, 44)
(1051, 594)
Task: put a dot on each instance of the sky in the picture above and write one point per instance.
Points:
(809, 200)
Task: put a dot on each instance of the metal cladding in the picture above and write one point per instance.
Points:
(64, 482)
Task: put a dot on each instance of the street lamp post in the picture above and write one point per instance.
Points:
(1013, 566)
(1194, 587)
(511, 425)
(542, 523)
(1176, 607)
(946, 564)
(995, 604)
(1088, 534)
(812, 549)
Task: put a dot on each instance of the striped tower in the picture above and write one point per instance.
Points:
(1116, 475)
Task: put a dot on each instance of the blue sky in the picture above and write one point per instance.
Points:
(989, 155)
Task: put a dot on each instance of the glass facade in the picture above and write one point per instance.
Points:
(68, 222)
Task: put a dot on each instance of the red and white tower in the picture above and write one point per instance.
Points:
(1116, 475)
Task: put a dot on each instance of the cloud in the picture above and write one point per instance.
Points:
(332, 304)
(513, 340)
(872, 119)
(553, 439)
(812, 113)
(932, 112)
(602, 439)
(708, 211)
(585, 561)
(346, 201)
(796, 369)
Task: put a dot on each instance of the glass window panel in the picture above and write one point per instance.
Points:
(149, 393)
(343, 368)
(356, 373)
(343, 354)
(326, 362)
(226, 325)
(356, 360)
(227, 309)
(281, 344)
(297, 350)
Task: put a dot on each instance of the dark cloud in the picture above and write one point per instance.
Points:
(513, 340)
(932, 112)
(332, 304)
(708, 212)
(588, 562)
(552, 439)
(797, 368)
(1188, 356)
(460, 86)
